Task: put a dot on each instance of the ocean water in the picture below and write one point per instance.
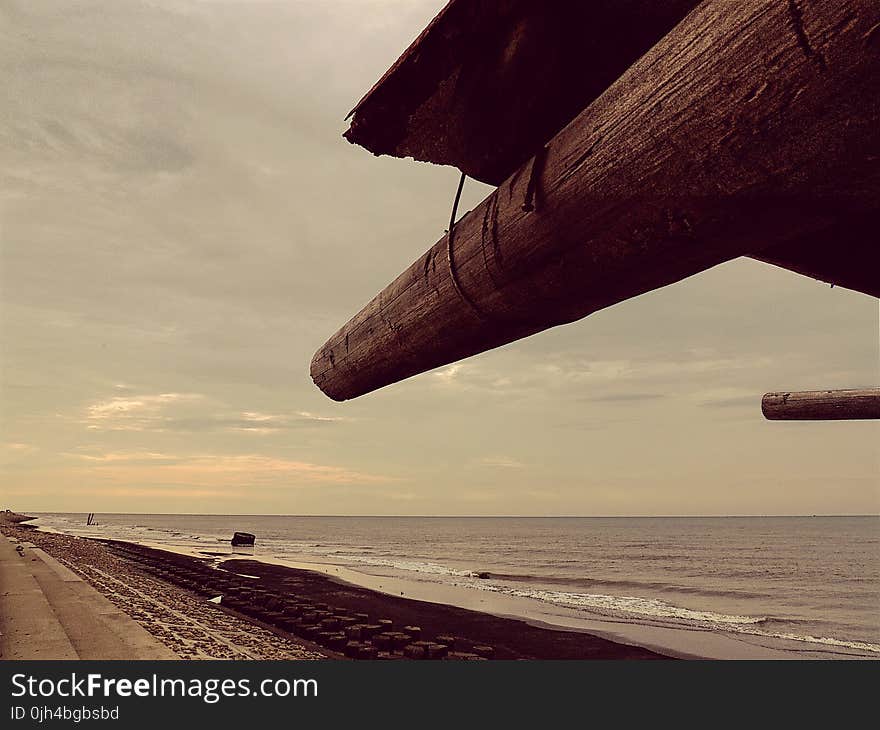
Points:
(814, 580)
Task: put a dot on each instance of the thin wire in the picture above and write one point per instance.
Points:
(451, 260)
(455, 206)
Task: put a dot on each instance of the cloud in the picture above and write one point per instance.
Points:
(608, 380)
(449, 375)
(464, 376)
(728, 398)
(743, 401)
(217, 470)
(573, 370)
(180, 166)
(273, 422)
(135, 412)
(191, 413)
(140, 457)
(500, 462)
(19, 447)
(623, 397)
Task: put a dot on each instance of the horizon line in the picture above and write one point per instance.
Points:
(462, 516)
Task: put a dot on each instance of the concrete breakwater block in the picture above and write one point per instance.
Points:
(274, 603)
(300, 627)
(425, 650)
(414, 632)
(337, 641)
(437, 651)
(332, 640)
(418, 650)
(311, 632)
(486, 652)
(370, 630)
(448, 640)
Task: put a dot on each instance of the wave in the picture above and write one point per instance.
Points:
(823, 640)
(653, 608)
(644, 584)
(414, 566)
(633, 605)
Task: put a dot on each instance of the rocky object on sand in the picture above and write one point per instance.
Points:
(243, 539)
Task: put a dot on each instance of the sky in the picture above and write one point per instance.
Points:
(182, 226)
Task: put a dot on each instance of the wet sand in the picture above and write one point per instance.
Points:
(509, 638)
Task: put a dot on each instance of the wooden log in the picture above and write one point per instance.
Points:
(842, 255)
(753, 121)
(822, 405)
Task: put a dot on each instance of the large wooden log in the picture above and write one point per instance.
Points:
(846, 254)
(752, 123)
(822, 405)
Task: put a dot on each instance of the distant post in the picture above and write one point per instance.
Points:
(822, 405)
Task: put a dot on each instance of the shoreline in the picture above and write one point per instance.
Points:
(477, 634)
(655, 637)
(669, 641)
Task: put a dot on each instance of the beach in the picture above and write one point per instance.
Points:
(718, 588)
(191, 626)
(482, 588)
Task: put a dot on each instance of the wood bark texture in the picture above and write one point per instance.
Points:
(751, 125)
(822, 405)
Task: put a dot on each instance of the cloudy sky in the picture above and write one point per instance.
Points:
(182, 225)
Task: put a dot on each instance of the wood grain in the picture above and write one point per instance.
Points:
(751, 124)
(822, 405)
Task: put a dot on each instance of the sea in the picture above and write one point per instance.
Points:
(814, 580)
